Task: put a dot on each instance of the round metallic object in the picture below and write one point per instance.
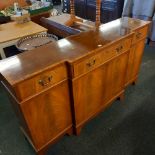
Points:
(34, 41)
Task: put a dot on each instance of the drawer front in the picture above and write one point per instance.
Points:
(104, 55)
(41, 82)
(122, 46)
(86, 65)
(140, 34)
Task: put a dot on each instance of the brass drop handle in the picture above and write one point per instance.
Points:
(138, 35)
(91, 63)
(119, 49)
(45, 81)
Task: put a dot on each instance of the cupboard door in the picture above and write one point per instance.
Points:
(93, 91)
(135, 58)
(88, 92)
(48, 115)
(119, 73)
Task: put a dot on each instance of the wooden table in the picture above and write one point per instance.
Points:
(11, 32)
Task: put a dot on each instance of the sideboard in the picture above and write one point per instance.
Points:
(57, 88)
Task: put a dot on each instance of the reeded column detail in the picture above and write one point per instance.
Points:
(72, 8)
(98, 12)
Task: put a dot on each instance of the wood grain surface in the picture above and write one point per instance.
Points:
(12, 31)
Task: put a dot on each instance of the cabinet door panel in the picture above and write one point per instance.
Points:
(119, 73)
(134, 62)
(48, 114)
(89, 93)
(93, 91)
(138, 53)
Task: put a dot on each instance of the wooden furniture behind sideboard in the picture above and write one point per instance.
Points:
(110, 9)
(7, 3)
(12, 32)
(57, 88)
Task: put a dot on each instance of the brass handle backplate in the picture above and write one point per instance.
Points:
(138, 35)
(91, 63)
(45, 81)
(119, 49)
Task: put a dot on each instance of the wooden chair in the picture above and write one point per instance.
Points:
(74, 20)
(68, 24)
(58, 29)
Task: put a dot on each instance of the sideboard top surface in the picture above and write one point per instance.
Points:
(20, 67)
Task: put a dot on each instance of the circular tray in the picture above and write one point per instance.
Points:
(34, 41)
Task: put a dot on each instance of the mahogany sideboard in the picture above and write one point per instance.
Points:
(55, 89)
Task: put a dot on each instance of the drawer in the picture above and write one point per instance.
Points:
(40, 82)
(90, 63)
(104, 55)
(140, 34)
(122, 46)
(86, 65)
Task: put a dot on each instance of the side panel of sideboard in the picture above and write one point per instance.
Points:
(136, 53)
